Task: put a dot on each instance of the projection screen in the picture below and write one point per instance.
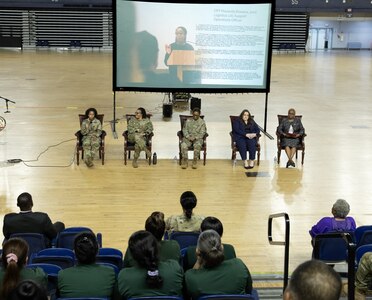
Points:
(199, 47)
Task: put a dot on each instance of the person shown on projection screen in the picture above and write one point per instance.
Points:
(179, 44)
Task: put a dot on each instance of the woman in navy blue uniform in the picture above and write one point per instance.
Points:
(245, 131)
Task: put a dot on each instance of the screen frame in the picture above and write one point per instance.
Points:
(201, 90)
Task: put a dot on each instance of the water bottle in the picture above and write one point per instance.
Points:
(154, 159)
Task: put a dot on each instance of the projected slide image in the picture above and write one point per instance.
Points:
(192, 46)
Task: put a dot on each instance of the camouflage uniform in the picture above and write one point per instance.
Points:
(182, 223)
(363, 276)
(91, 132)
(193, 129)
(138, 130)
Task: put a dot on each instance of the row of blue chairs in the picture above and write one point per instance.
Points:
(253, 296)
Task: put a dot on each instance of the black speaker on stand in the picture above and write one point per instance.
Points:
(195, 102)
(167, 110)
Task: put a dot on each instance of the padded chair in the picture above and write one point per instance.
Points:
(57, 252)
(234, 148)
(79, 141)
(366, 238)
(61, 261)
(359, 231)
(65, 239)
(109, 265)
(183, 119)
(360, 251)
(252, 296)
(110, 255)
(52, 272)
(185, 239)
(331, 248)
(301, 147)
(36, 242)
(128, 146)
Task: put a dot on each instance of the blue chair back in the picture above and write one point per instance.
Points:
(360, 251)
(116, 269)
(157, 298)
(110, 251)
(330, 247)
(57, 252)
(66, 238)
(83, 298)
(366, 238)
(49, 269)
(115, 260)
(358, 233)
(62, 261)
(185, 239)
(36, 242)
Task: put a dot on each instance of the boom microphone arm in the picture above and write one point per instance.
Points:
(6, 103)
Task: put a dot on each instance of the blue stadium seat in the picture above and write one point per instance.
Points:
(65, 238)
(252, 296)
(185, 239)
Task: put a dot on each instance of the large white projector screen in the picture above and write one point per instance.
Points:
(192, 47)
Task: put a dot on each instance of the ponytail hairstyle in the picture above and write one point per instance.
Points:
(156, 225)
(14, 257)
(210, 248)
(144, 248)
(188, 202)
(86, 248)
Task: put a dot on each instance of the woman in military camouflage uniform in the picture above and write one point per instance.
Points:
(91, 129)
(139, 128)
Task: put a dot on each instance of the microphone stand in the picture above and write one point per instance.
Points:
(6, 103)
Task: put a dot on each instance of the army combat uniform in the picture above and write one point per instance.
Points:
(363, 276)
(193, 134)
(91, 132)
(138, 130)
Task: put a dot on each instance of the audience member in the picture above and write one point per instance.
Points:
(189, 259)
(193, 133)
(139, 128)
(28, 290)
(291, 130)
(27, 221)
(150, 276)
(86, 279)
(363, 276)
(245, 131)
(214, 275)
(168, 249)
(14, 258)
(188, 221)
(312, 280)
(91, 129)
(340, 222)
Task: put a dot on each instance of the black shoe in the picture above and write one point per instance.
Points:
(293, 164)
(250, 167)
(288, 164)
(246, 167)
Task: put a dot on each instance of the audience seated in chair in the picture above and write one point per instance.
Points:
(340, 222)
(14, 258)
(208, 223)
(212, 274)
(86, 279)
(27, 221)
(138, 136)
(312, 280)
(90, 137)
(188, 221)
(150, 276)
(290, 136)
(28, 290)
(246, 134)
(168, 249)
(363, 276)
(192, 137)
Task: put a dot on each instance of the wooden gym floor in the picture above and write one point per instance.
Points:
(332, 90)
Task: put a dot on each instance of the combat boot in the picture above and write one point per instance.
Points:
(148, 154)
(185, 163)
(135, 159)
(195, 163)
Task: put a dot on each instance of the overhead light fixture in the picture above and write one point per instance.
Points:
(343, 1)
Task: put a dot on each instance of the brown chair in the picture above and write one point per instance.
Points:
(79, 141)
(301, 147)
(234, 148)
(183, 119)
(128, 146)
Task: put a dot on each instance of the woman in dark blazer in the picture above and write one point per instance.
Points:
(245, 131)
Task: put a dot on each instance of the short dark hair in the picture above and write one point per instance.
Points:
(314, 279)
(24, 201)
(143, 112)
(86, 248)
(148, 49)
(156, 225)
(183, 29)
(28, 290)
(196, 109)
(188, 202)
(89, 110)
(212, 223)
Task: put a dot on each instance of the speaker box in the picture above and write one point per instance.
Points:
(195, 102)
(167, 110)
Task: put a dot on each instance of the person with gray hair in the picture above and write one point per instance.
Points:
(340, 222)
(311, 280)
(214, 275)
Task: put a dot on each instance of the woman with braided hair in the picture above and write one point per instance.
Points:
(13, 271)
(162, 278)
(212, 274)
